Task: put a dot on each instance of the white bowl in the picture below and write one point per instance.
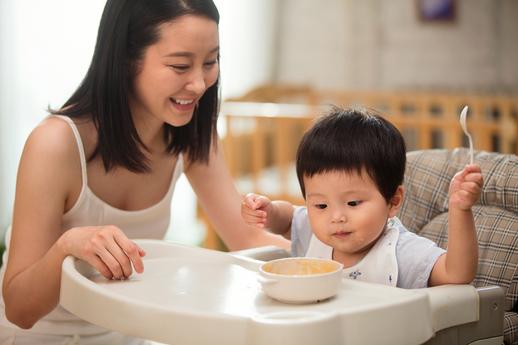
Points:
(300, 280)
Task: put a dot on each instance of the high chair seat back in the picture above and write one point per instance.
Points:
(425, 208)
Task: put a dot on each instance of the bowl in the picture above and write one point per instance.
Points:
(300, 280)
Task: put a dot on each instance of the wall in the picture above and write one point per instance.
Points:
(45, 48)
(382, 44)
(247, 40)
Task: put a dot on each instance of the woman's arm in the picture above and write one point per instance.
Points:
(219, 198)
(459, 264)
(49, 168)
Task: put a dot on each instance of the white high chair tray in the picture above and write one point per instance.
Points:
(190, 295)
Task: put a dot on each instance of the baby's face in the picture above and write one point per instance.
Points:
(347, 212)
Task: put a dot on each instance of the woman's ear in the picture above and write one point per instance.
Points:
(396, 201)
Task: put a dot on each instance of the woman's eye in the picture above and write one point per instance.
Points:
(210, 63)
(353, 203)
(180, 68)
(321, 206)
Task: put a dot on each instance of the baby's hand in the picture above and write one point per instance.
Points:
(255, 208)
(465, 187)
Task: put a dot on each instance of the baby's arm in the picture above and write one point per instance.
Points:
(258, 210)
(459, 264)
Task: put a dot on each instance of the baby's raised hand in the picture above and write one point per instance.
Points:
(255, 208)
(465, 187)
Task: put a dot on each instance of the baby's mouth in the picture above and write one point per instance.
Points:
(342, 234)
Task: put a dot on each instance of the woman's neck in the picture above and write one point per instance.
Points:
(150, 132)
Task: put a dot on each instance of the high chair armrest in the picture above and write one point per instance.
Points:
(488, 330)
(264, 253)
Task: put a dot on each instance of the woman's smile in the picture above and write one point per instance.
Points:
(183, 105)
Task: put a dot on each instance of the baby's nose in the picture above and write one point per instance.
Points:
(339, 217)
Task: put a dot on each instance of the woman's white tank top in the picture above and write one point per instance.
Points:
(90, 210)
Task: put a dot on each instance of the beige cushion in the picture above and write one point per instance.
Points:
(425, 208)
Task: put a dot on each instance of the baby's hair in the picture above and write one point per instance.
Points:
(353, 140)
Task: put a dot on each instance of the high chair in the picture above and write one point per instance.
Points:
(187, 295)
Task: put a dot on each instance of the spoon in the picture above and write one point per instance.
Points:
(463, 114)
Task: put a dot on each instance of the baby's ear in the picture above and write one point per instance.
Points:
(396, 201)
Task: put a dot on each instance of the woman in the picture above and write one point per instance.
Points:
(102, 169)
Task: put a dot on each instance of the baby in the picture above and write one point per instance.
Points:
(350, 167)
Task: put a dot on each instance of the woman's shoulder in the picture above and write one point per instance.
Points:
(52, 137)
(50, 158)
(53, 143)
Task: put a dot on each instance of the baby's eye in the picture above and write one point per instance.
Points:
(321, 206)
(354, 203)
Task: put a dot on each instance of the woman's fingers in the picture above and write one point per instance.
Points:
(100, 266)
(110, 245)
(111, 261)
(107, 249)
(122, 262)
(132, 253)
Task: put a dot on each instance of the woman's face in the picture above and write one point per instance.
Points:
(176, 71)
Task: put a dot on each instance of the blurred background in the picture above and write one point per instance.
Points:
(418, 61)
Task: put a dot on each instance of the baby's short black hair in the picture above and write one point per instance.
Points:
(352, 140)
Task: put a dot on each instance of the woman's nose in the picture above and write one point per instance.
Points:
(197, 83)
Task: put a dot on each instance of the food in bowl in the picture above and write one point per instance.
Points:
(300, 280)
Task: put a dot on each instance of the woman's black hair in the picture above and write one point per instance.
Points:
(126, 29)
(351, 140)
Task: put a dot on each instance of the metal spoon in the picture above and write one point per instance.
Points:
(463, 114)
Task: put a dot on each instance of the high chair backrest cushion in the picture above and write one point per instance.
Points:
(424, 211)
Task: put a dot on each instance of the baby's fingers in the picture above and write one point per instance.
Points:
(261, 201)
(475, 177)
(472, 168)
(247, 210)
(255, 201)
(471, 188)
(466, 199)
(256, 218)
(250, 200)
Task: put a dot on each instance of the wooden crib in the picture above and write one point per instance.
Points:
(261, 130)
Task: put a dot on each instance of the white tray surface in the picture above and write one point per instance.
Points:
(190, 295)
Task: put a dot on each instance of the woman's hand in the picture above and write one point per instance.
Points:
(465, 187)
(255, 209)
(106, 248)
